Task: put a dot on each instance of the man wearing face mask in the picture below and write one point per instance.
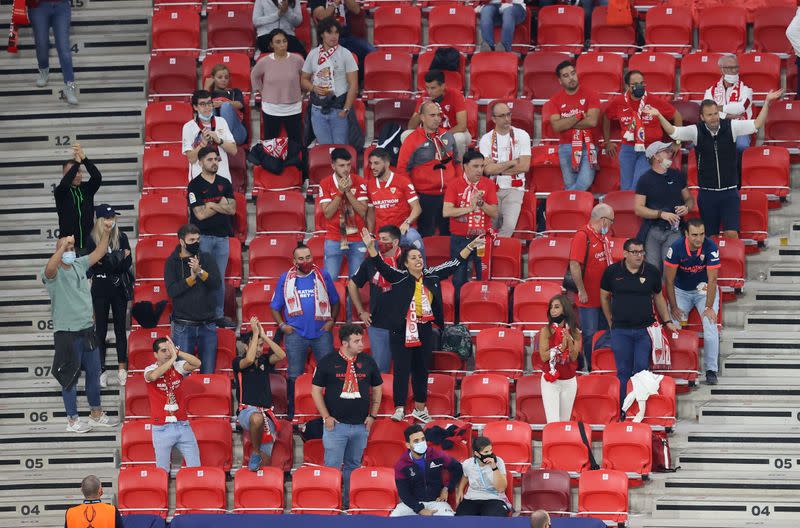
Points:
(662, 200)
(418, 477)
(192, 279)
(207, 130)
(485, 473)
(715, 147)
(734, 98)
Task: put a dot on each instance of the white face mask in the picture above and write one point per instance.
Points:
(420, 447)
(666, 163)
(732, 79)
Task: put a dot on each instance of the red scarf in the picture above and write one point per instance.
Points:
(350, 386)
(438, 145)
(379, 280)
(635, 130)
(19, 17)
(347, 219)
(420, 302)
(476, 220)
(558, 353)
(603, 239)
(294, 308)
(581, 138)
(325, 55)
(495, 156)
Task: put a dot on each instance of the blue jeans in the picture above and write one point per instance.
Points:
(329, 128)
(180, 435)
(57, 15)
(592, 320)
(508, 19)
(220, 248)
(89, 359)
(575, 181)
(412, 238)
(686, 300)
(361, 47)
(379, 345)
(462, 274)
(231, 116)
(344, 446)
(356, 252)
(632, 165)
(201, 337)
(632, 349)
(296, 347)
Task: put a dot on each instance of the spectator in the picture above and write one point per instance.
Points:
(662, 200)
(207, 130)
(352, 384)
(485, 473)
(392, 200)
(56, 14)
(718, 198)
(330, 74)
(253, 392)
(170, 423)
(560, 343)
(793, 35)
(375, 317)
(228, 102)
(277, 77)
(471, 202)
(426, 156)
(305, 305)
(507, 15)
(589, 256)
(734, 98)
(540, 519)
(281, 15)
(630, 293)
(74, 336)
(573, 113)
(639, 129)
(414, 302)
(192, 279)
(508, 153)
(418, 477)
(452, 109)
(112, 287)
(340, 11)
(690, 277)
(343, 199)
(211, 208)
(100, 513)
(75, 198)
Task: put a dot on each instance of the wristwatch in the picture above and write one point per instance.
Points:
(373, 417)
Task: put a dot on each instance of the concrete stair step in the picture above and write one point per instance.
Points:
(32, 187)
(784, 273)
(20, 163)
(741, 508)
(53, 484)
(643, 521)
(15, 232)
(760, 365)
(42, 210)
(24, 92)
(100, 43)
(34, 419)
(109, 21)
(18, 394)
(52, 436)
(692, 435)
(75, 124)
(773, 320)
(753, 461)
(749, 413)
(82, 132)
(38, 365)
(61, 459)
(87, 68)
(39, 512)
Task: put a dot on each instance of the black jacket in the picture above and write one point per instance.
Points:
(716, 157)
(106, 273)
(75, 205)
(415, 487)
(191, 303)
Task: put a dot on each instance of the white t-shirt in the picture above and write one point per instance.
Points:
(332, 73)
(739, 127)
(507, 151)
(481, 480)
(190, 139)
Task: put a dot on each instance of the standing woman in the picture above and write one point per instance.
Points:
(228, 102)
(559, 345)
(56, 14)
(414, 303)
(286, 15)
(277, 77)
(111, 288)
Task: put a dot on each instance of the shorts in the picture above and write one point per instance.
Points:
(244, 421)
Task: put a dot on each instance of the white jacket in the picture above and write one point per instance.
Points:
(645, 384)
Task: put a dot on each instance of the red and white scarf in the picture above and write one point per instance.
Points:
(205, 124)
(419, 311)
(324, 54)
(660, 352)
(476, 220)
(590, 231)
(516, 179)
(350, 386)
(294, 308)
(581, 138)
(720, 94)
(347, 218)
(635, 130)
(495, 155)
(559, 354)
(378, 279)
(438, 145)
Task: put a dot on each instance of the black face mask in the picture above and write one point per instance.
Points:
(486, 458)
(557, 319)
(194, 248)
(638, 90)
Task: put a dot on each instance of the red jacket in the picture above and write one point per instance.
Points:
(417, 161)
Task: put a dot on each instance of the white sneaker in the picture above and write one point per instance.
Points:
(398, 415)
(68, 94)
(78, 426)
(422, 415)
(122, 375)
(104, 379)
(41, 80)
(101, 421)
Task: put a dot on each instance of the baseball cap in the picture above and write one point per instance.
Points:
(656, 147)
(105, 211)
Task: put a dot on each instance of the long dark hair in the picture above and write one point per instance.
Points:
(401, 261)
(570, 318)
(276, 31)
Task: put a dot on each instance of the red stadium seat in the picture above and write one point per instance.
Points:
(462, 442)
(270, 255)
(500, 350)
(511, 441)
(448, 299)
(626, 222)
(392, 111)
(387, 388)
(163, 123)
(606, 179)
(684, 351)
(256, 296)
(303, 31)
(601, 71)
(531, 299)
(176, 28)
(733, 269)
(140, 346)
(548, 258)
(314, 452)
(484, 398)
(282, 450)
(215, 442)
(753, 218)
(668, 29)
(761, 72)
(698, 72)
(453, 79)
(171, 76)
(317, 490)
(493, 75)
(628, 447)
(319, 162)
(471, 106)
(521, 41)
(661, 408)
(766, 169)
(230, 26)
(658, 70)
(545, 489)
(723, 29)
(304, 407)
(539, 80)
(397, 29)
(561, 28)
(258, 491)
(526, 223)
(563, 449)
(143, 491)
(437, 250)
(372, 491)
(529, 400)
(207, 395)
(690, 112)
(597, 401)
(279, 397)
(238, 65)
(506, 259)
(611, 38)
(783, 124)
(441, 395)
(604, 491)
(453, 26)
(137, 402)
(281, 212)
(448, 363)
(136, 440)
(484, 304)
(603, 360)
(290, 179)
(769, 29)
(521, 113)
(164, 166)
(154, 292)
(567, 211)
(385, 444)
(200, 490)
(161, 213)
(151, 254)
(387, 73)
(546, 169)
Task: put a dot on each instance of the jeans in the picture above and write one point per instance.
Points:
(575, 181)
(379, 345)
(296, 347)
(356, 253)
(57, 15)
(361, 47)
(89, 359)
(592, 320)
(509, 203)
(220, 249)
(344, 446)
(686, 300)
(462, 274)
(431, 216)
(558, 397)
(412, 238)
(508, 19)
(658, 242)
(180, 435)
(231, 116)
(632, 349)
(329, 128)
(203, 337)
(632, 165)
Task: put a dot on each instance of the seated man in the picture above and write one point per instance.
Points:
(507, 15)
(734, 98)
(418, 477)
(207, 130)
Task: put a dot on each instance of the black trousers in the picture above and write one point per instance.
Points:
(115, 300)
(295, 46)
(482, 508)
(431, 216)
(293, 124)
(411, 362)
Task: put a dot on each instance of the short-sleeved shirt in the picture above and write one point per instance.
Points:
(330, 375)
(481, 480)
(70, 297)
(201, 191)
(631, 294)
(454, 194)
(333, 72)
(328, 189)
(592, 260)
(507, 150)
(452, 102)
(662, 192)
(620, 110)
(254, 381)
(157, 391)
(305, 324)
(191, 138)
(692, 266)
(566, 105)
(391, 200)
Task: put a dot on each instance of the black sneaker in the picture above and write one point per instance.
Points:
(711, 377)
(225, 322)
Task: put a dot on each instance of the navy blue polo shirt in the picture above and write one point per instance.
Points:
(692, 266)
(662, 192)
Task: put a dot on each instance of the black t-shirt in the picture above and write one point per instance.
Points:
(377, 299)
(200, 192)
(330, 375)
(632, 294)
(234, 94)
(662, 191)
(255, 380)
(313, 4)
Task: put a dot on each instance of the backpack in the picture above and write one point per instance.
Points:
(662, 459)
(456, 338)
(389, 138)
(446, 58)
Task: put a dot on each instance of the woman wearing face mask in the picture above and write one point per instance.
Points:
(112, 287)
(228, 102)
(485, 473)
(560, 344)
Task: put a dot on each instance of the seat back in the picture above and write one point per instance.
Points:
(484, 303)
(538, 79)
(562, 447)
(723, 29)
(207, 395)
(548, 258)
(604, 491)
(511, 441)
(137, 443)
(452, 25)
(769, 29)
(258, 491)
(317, 490)
(143, 491)
(601, 71)
(660, 408)
(567, 211)
(256, 297)
(214, 440)
(373, 491)
(597, 400)
(531, 300)
(441, 394)
(561, 28)
(529, 400)
(500, 350)
(626, 221)
(385, 443)
(164, 120)
(698, 72)
(493, 75)
(546, 489)
(200, 490)
(628, 447)
(484, 397)
(658, 69)
(506, 259)
(668, 29)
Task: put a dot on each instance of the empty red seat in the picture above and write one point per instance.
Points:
(500, 350)
(526, 223)
(628, 447)
(448, 363)
(529, 400)
(230, 26)
(290, 179)
(137, 402)
(385, 443)
(304, 407)
(766, 169)
(561, 28)
(372, 491)
(484, 304)
(154, 292)
(567, 211)
(783, 124)
(761, 72)
(200, 490)
(597, 400)
(769, 29)
(437, 250)
(753, 218)
(531, 299)
(136, 439)
(453, 79)
(601, 71)
(258, 491)
(545, 489)
(658, 70)
(733, 268)
(270, 255)
(214, 440)
(453, 26)
(603, 493)
(511, 441)
(660, 408)
(256, 296)
(668, 29)
(441, 395)
(171, 76)
(151, 254)
(562, 447)
(164, 166)
(548, 258)
(603, 360)
(176, 28)
(493, 75)
(281, 212)
(506, 259)
(161, 213)
(207, 395)
(238, 64)
(317, 490)
(626, 222)
(484, 398)
(723, 29)
(163, 122)
(699, 71)
(539, 80)
(611, 38)
(397, 28)
(387, 73)
(143, 491)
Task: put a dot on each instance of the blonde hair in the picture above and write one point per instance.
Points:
(215, 70)
(113, 237)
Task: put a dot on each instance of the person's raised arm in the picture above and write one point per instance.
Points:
(252, 347)
(51, 268)
(192, 362)
(278, 353)
(102, 246)
(66, 181)
(160, 370)
(762, 116)
(96, 179)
